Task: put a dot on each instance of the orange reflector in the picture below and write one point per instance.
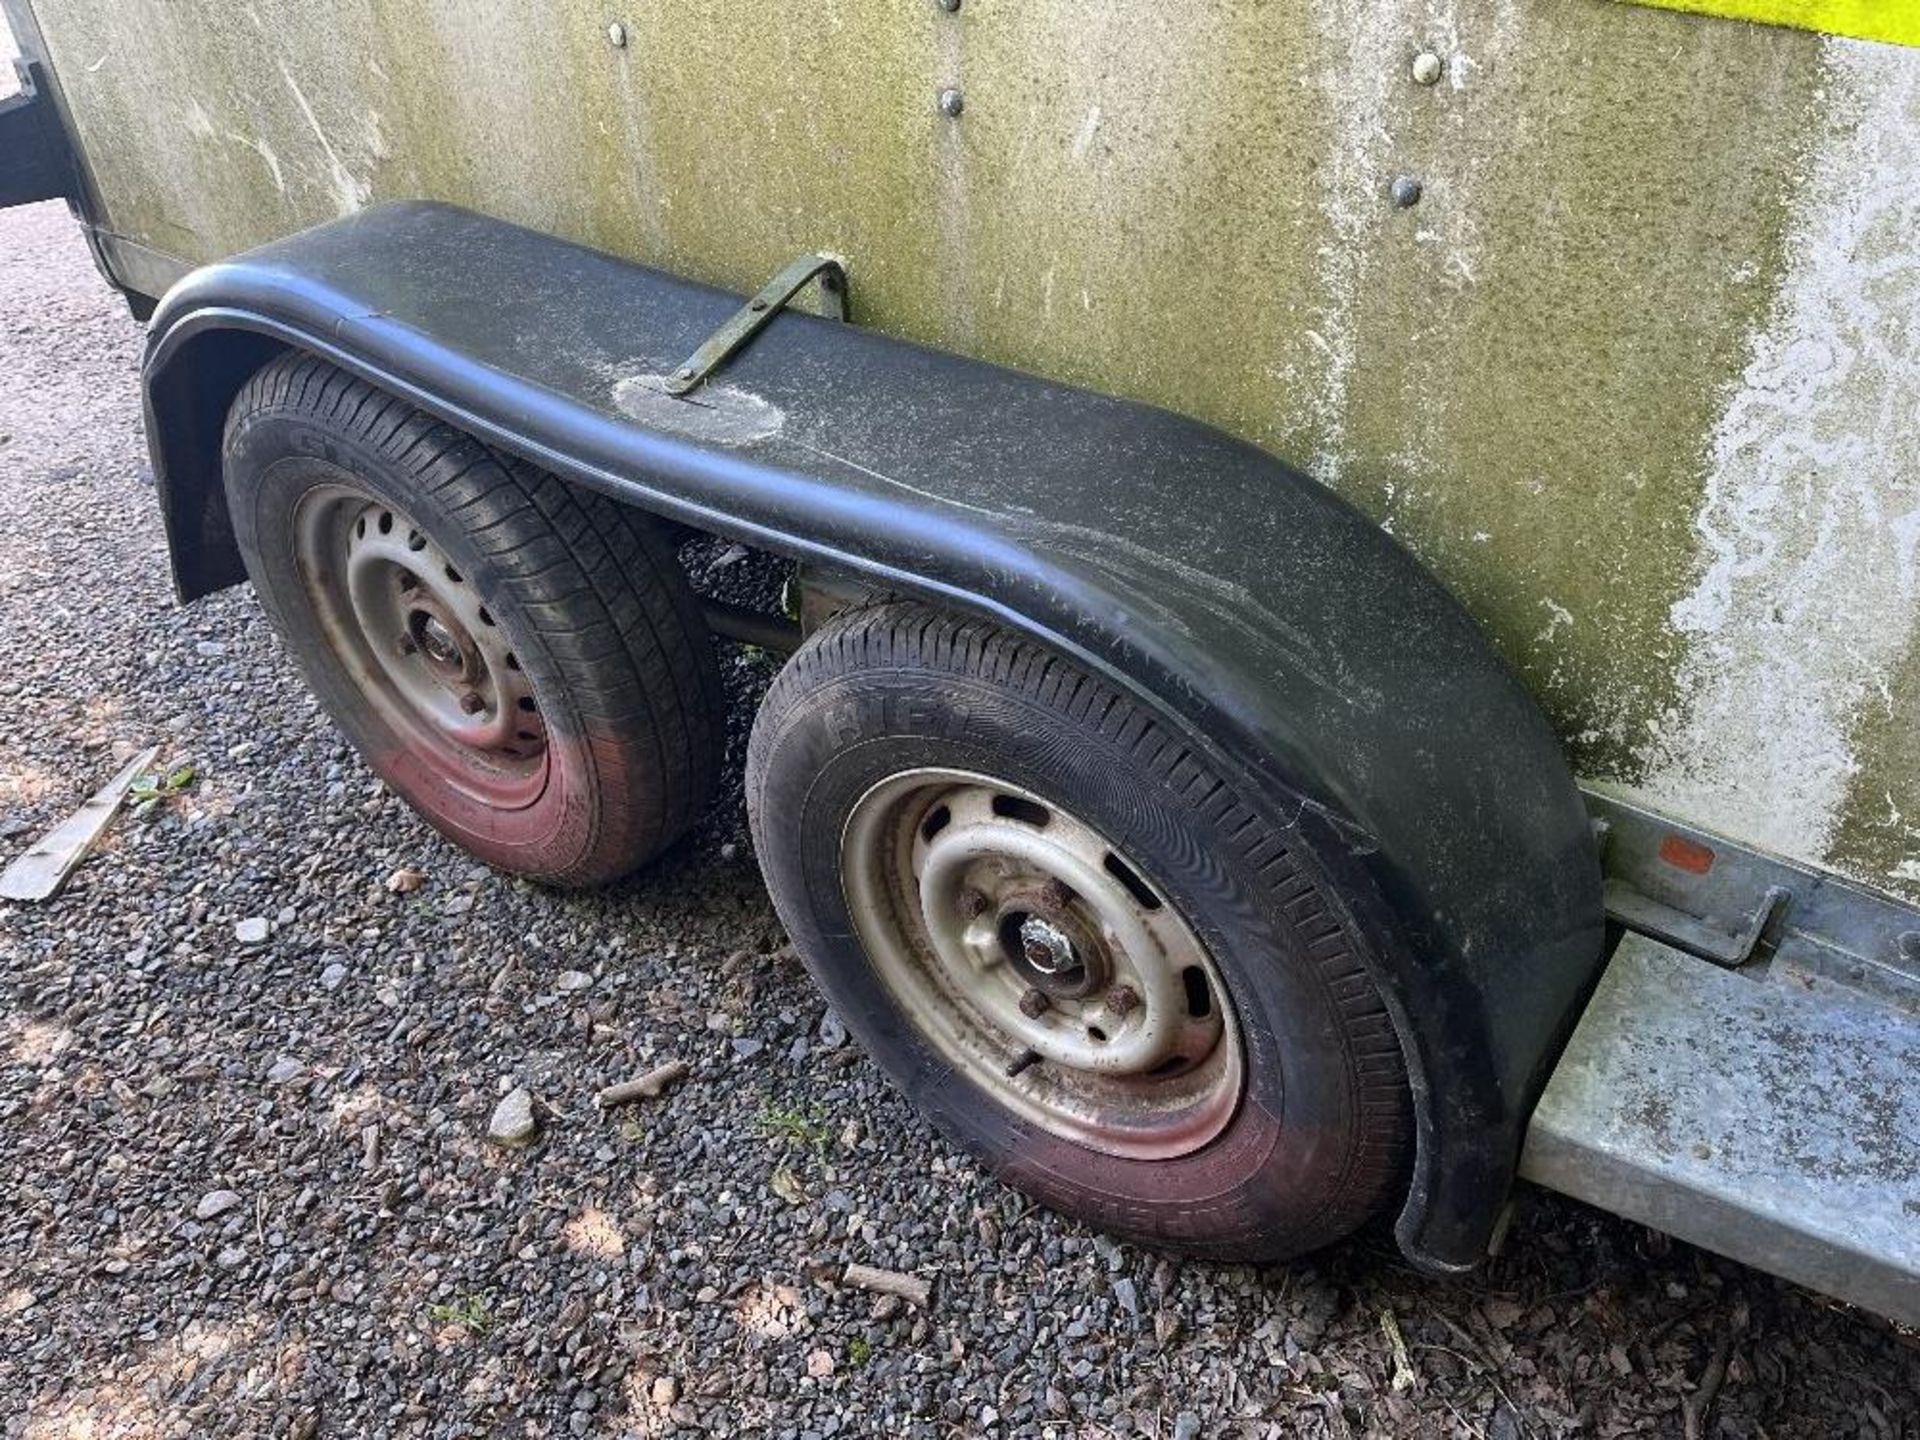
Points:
(1688, 855)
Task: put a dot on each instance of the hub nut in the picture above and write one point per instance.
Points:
(1048, 948)
(1034, 1003)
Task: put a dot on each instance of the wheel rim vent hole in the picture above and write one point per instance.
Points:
(386, 522)
(1199, 993)
(1018, 807)
(1130, 879)
(936, 821)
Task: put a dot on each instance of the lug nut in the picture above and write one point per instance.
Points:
(1056, 894)
(472, 703)
(973, 904)
(1034, 1003)
(1122, 1001)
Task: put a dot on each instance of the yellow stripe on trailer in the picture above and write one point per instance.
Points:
(1897, 22)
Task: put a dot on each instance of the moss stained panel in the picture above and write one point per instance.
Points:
(1520, 375)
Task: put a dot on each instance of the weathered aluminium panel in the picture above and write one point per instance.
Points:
(1634, 374)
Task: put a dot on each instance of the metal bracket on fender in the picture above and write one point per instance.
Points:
(1276, 630)
(752, 317)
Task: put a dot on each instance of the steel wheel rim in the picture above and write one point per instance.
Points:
(970, 895)
(414, 635)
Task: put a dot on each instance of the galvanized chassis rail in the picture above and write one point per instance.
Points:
(1745, 1075)
(1736, 906)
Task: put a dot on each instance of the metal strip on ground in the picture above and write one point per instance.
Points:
(43, 869)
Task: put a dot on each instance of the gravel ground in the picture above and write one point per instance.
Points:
(246, 1188)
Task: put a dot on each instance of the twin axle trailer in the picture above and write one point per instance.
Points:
(1194, 834)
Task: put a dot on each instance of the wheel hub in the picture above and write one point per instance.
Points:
(1052, 949)
(446, 648)
(1040, 962)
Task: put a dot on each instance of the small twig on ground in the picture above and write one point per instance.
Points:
(1403, 1376)
(1700, 1402)
(648, 1087)
(910, 1288)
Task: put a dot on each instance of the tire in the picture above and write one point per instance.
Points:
(521, 661)
(883, 763)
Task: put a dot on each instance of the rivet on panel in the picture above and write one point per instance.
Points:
(951, 103)
(1427, 68)
(617, 35)
(1405, 191)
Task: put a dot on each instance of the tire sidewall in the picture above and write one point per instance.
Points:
(1278, 1179)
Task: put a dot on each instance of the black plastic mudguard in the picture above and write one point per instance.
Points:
(1303, 650)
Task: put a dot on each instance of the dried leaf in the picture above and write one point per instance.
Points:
(787, 1186)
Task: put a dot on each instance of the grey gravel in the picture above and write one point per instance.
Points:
(253, 930)
(284, 1071)
(215, 1203)
(513, 1121)
(391, 1274)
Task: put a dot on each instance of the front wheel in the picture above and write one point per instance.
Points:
(521, 661)
(1088, 961)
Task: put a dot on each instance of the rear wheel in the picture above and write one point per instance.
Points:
(522, 662)
(1084, 956)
